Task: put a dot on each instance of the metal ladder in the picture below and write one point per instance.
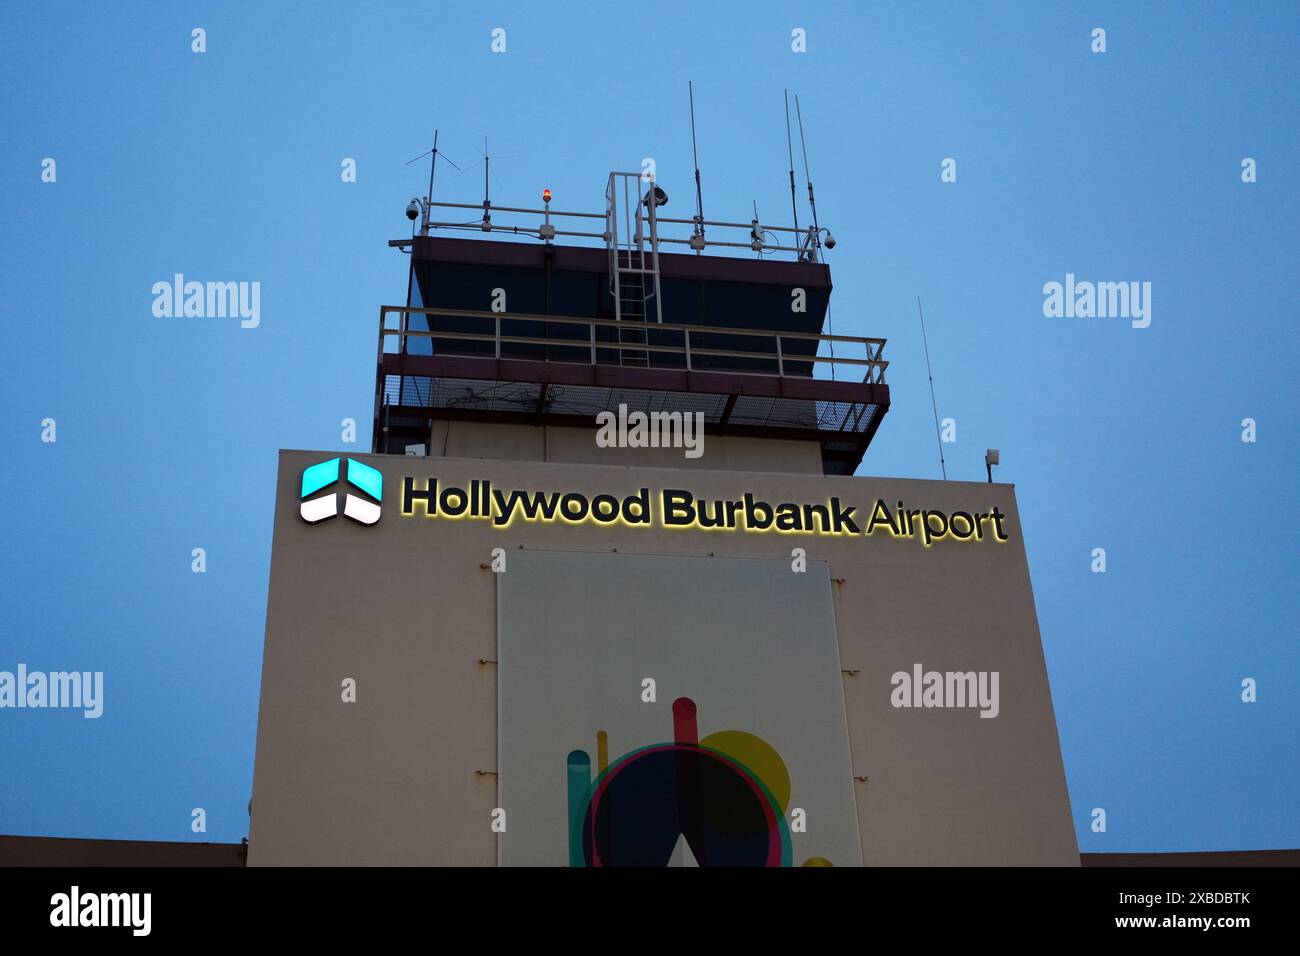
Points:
(632, 238)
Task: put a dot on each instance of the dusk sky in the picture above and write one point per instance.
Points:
(1117, 166)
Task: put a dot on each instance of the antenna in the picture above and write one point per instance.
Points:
(789, 150)
(812, 202)
(428, 197)
(697, 238)
(814, 231)
(933, 404)
(433, 165)
(487, 194)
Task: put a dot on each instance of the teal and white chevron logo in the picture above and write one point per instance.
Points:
(363, 507)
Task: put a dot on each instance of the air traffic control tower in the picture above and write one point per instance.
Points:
(606, 590)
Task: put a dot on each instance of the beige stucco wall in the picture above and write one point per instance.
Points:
(405, 609)
(576, 445)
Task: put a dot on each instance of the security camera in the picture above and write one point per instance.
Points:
(413, 210)
(830, 240)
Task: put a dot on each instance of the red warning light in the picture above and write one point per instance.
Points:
(546, 195)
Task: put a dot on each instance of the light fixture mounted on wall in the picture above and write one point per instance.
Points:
(990, 460)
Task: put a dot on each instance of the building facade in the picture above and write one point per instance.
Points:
(519, 633)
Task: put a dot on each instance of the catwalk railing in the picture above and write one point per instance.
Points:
(772, 349)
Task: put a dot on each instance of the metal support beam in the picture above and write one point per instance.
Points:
(727, 410)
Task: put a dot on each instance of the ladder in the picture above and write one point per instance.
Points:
(632, 238)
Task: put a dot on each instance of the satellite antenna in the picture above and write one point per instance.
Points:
(812, 202)
(789, 150)
(697, 237)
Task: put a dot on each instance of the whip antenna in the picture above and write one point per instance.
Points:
(789, 150)
(812, 202)
(933, 405)
(697, 239)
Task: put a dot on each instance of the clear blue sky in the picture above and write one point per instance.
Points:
(225, 166)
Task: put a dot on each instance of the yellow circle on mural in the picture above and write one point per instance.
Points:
(758, 757)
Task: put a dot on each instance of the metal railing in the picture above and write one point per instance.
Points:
(773, 351)
(762, 238)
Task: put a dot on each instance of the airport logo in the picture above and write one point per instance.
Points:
(362, 508)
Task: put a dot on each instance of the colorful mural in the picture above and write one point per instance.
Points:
(602, 757)
(725, 796)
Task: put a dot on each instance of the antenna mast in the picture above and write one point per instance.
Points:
(427, 201)
(815, 235)
(789, 150)
(933, 404)
(428, 197)
(487, 188)
(697, 238)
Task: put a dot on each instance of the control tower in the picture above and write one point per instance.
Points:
(607, 591)
(536, 333)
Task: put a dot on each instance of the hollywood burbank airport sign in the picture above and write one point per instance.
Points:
(362, 488)
(678, 508)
